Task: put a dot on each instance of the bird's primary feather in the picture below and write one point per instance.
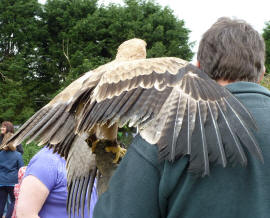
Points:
(215, 146)
(81, 165)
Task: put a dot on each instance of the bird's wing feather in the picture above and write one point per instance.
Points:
(81, 172)
(144, 73)
(217, 126)
(122, 84)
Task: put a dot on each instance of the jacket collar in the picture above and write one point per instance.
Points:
(247, 87)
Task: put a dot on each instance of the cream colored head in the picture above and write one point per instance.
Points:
(131, 50)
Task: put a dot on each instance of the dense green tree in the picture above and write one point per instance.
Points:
(19, 42)
(62, 51)
(266, 36)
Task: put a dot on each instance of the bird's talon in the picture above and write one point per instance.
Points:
(118, 151)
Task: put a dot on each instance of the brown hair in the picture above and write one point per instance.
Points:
(232, 50)
(9, 126)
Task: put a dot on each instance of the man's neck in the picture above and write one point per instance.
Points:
(223, 82)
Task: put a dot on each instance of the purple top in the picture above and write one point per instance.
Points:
(50, 169)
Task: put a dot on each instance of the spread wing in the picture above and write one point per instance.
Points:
(174, 104)
(177, 107)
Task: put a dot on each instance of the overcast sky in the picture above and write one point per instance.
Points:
(199, 15)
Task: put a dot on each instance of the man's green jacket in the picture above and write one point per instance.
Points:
(143, 187)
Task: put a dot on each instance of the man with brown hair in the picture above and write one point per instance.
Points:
(232, 53)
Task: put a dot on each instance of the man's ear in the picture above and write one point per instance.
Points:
(198, 64)
(261, 76)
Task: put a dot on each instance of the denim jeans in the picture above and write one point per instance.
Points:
(4, 192)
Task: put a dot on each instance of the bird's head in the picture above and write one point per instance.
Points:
(131, 50)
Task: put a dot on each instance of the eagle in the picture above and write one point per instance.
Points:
(172, 103)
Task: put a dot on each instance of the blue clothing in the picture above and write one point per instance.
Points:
(50, 169)
(144, 187)
(10, 163)
(7, 200)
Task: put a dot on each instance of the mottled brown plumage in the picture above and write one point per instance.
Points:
(173, 104)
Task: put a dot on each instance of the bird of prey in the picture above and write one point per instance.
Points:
(174, 105)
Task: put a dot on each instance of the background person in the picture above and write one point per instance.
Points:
(232, 53)
(43, 191)
(17, 189)
(10, 163)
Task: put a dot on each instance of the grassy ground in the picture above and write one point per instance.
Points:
(29, 151)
